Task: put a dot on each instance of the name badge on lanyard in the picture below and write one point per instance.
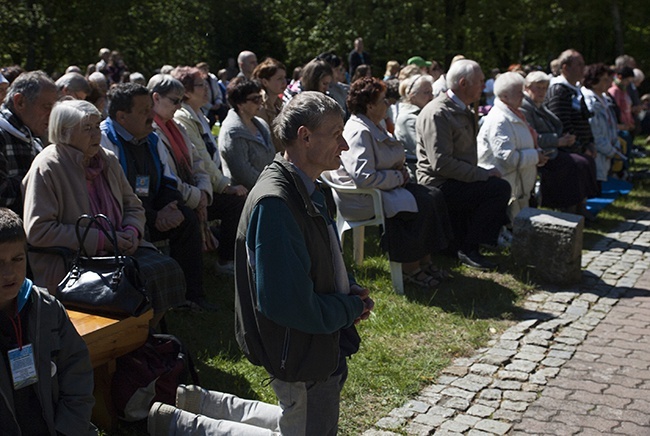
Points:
(23, 368)
(142, 186)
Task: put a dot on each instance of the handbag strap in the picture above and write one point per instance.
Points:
(112, 237)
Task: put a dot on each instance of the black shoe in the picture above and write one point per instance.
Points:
(476, 260)
(202, 304)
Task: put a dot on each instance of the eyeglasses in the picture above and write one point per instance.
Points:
(174, 101)
(257, 99)
(199, 85)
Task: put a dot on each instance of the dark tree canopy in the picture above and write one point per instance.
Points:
(54, 34)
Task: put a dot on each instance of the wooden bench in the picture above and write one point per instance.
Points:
(107, 339)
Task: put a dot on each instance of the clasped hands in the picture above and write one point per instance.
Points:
(368, 303)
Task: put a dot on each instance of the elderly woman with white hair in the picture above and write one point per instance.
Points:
(565, 177)
(416, 92)
(76, 176)
(506, 142)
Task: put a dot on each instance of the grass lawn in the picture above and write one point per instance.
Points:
(408, 339)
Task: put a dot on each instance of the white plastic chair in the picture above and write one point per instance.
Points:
(358, 227)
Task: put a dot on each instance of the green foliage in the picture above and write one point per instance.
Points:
(52, 35)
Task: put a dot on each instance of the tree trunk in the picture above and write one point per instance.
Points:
(618, 32)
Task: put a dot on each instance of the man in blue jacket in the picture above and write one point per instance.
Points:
(128, 133)
(295, 304)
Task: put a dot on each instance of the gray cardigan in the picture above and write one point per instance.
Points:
(243, 155)
(545, 123)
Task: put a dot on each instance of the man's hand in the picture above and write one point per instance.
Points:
(236, 190)
(368, 303)
(567, 140)
(169, 217)
(493, 172)
(542, 158)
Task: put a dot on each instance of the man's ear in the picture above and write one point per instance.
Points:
(155, 97)
(303, 133)
(20, 102)
(120, 116)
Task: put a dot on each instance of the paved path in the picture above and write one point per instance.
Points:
(579, 365)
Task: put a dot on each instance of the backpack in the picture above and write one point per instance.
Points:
(149, 374)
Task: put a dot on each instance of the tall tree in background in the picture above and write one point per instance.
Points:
(51, 35)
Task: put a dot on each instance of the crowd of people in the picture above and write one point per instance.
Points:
(454, 156)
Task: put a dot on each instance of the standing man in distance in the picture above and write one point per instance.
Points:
(447, 159)
(357, 56)
(295, 305)
(247, 62)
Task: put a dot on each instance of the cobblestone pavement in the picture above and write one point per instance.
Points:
(579, 365)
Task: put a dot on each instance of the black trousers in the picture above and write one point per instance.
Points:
(226, 208)
(477, 210)
(185, 247)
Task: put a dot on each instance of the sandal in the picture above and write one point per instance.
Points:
(436, 272)
(421, 278)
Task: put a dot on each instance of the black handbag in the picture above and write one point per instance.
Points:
(107, 285)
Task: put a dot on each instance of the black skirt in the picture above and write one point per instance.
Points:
(567, 180)
(409, 236)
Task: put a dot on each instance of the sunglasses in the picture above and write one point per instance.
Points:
(174, 101)
(257, 99)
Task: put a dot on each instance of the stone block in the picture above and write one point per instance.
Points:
(550, 243)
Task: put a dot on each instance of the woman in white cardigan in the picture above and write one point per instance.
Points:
(506, 142)
(417, 223)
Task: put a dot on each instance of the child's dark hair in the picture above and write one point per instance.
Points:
(11, 227)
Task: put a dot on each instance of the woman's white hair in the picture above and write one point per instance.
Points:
(412, 85)
(65, 116)
(537, 77)
(506, 83)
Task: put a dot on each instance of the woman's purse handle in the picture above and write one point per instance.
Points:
(112, 237)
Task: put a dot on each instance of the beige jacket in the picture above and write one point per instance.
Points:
(56, 195)
(446, 147)
(188, 119)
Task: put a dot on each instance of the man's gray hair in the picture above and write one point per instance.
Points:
(567, 57)
(164, 84)
(74, 82)
(463, 68)
(506, 83)
(309, 109)
(100, 80)
(29, 85)
(66, 115)
(244, 55)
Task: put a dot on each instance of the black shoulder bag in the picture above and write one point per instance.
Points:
(107, 285)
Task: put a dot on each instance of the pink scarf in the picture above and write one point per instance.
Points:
(99, 193)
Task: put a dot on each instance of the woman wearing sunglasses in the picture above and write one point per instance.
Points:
(245, 141)
(183, 158)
